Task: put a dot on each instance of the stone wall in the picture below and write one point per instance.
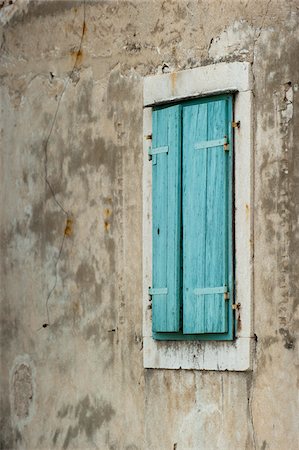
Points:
(72, 375)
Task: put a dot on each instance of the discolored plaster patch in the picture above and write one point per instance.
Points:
(22, 391)
(267, 341)
(92, 331)
(87, 416)
(11, 8)
(288, 338)
(264, 445)
(56, 435)
(96, 152)
(64, 411)
(7, 433)
(235, 40)
(85, 275)
(84, 100)
(25, 10)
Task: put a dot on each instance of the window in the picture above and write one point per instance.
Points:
(192, 269)
(183, 112)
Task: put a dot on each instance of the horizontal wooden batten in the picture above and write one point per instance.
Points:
(158, 291)
(209, 144)
(157, 150)
(211, 290)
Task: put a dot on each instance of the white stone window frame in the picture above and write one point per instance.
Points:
(200, 82)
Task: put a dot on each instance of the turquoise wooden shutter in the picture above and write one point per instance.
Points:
(207, 177)
(166, 210)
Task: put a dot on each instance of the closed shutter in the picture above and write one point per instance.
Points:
(207, 177)
(166, 210)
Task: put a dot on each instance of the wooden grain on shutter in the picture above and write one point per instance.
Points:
(166, 210)
(207, 172)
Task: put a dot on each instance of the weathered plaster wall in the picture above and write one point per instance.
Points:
(71, 213)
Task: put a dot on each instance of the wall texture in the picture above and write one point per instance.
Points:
(71, 222)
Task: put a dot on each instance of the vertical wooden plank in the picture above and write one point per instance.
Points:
(216, 225)
(205, 217)
(195, 128)
(159, 211)
(166, 194)
(230, 218)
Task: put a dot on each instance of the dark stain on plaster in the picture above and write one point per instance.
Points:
(111, 249)
(7, 439)
(22, 387)
(44, 8)
(84, 100)
(25, 177)
(119, 93)
(279, 190)
(133, 47)
(10, 324)
(85, 275)
(37, 216)
(88, 415)
(56, 435)
(92, 331)
(6, 242)
(64, 411)
(18, 436)
(51, 226)
(289, 340)
(101, 332)
(97, 152)
(98, 292)
(264, 445)
(267, 341)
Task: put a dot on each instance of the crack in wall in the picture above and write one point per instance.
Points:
(50, 186)
(258, 34)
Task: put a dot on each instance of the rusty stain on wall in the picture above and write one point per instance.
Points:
(68, 231)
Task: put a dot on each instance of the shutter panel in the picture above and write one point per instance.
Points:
(207, 171)
(166, 200)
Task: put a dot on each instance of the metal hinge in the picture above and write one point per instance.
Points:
(236, 306)
(226, 295)
(236, 124)
(148, 137)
